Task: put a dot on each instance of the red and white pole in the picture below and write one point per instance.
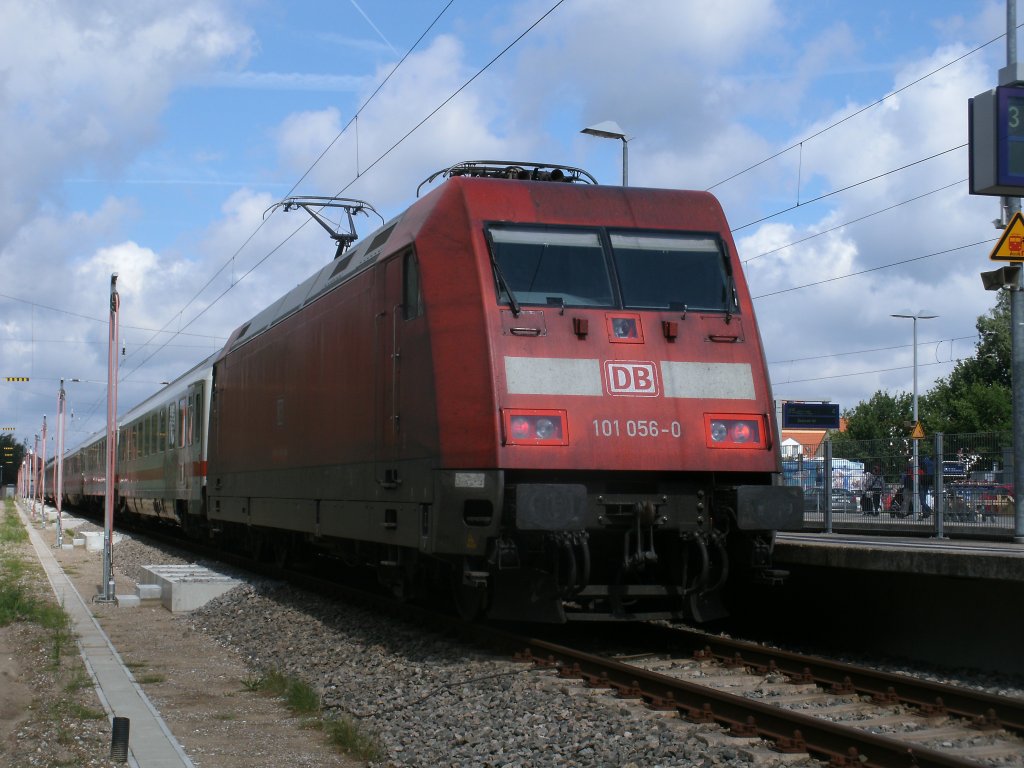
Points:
(35, 476)
(42, 478)
(111, 480)
(58, 487)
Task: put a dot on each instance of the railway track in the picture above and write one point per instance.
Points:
(862, 717)
(845, 714)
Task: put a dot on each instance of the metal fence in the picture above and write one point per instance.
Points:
(965, 486)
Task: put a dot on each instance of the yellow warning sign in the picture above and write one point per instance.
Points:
(15, 378)
(1011, 245)
(918, 433)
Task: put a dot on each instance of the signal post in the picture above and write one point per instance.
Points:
(996, 120)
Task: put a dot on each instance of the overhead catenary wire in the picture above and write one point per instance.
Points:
(401, 140)
(379, 159)
(859, 373)
(859, 111)
(249, 239)
(854, 221)
(388, 151)
(848, 187)
(834, 278)
(869, 351)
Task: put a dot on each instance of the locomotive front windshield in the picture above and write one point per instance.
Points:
(621, 269)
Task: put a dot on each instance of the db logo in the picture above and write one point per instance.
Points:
(634, 379)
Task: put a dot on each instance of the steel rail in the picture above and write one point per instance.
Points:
(983, 709)
(791, 731)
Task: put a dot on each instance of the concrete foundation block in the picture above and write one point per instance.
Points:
(93, 541)
(128, 601)
(186, 587)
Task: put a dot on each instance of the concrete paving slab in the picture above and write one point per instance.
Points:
(149, 591)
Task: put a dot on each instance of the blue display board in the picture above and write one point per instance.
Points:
(796, 415)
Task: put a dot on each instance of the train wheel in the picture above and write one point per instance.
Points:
(469, 590)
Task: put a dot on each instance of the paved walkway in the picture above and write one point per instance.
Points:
(151, 744)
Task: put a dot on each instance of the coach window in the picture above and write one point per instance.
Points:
(161, 435)
(196, 433)
(182, 413)
(191, 418)
(171, 426)
(412, 301)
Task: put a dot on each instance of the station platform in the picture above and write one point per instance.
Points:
(958, 558)
(952, 602)
(151, 743)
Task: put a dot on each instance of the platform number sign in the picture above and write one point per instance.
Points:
(996, 120)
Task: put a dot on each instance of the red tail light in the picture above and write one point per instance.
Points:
(734, 431)
(535, 427)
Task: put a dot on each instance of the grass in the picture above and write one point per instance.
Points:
(302, 699)
(11, 530)
(151, 677)
(17, 603)
(79, 681)
(346, 736)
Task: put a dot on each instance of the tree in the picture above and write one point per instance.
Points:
(977, 396)
(11, 455)
(877, 432)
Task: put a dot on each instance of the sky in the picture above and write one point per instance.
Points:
(151, 138)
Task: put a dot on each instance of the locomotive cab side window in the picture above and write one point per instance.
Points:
(565, 267)
(671, 271)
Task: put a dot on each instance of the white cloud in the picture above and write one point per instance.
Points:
(84, 85)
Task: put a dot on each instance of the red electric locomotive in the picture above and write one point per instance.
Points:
(547, 393)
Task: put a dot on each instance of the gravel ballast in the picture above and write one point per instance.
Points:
(430, 700)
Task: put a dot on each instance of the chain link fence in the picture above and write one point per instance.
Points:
(964, 485)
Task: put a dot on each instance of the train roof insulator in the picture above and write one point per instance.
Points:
(508, 169)
(314, 205)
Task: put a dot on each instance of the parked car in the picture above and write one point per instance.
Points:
(843, 500)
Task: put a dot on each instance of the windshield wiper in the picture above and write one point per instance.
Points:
(506, 287)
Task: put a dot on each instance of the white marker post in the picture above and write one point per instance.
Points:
(111, 484)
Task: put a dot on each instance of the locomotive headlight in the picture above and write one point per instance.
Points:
(535, 427)
(729, 431)
(519, 428)
(741, 432)
(545, 429)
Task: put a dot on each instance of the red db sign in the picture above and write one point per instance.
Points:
(631, 378)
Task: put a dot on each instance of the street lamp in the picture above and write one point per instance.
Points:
(922, 314)
(610, 130)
